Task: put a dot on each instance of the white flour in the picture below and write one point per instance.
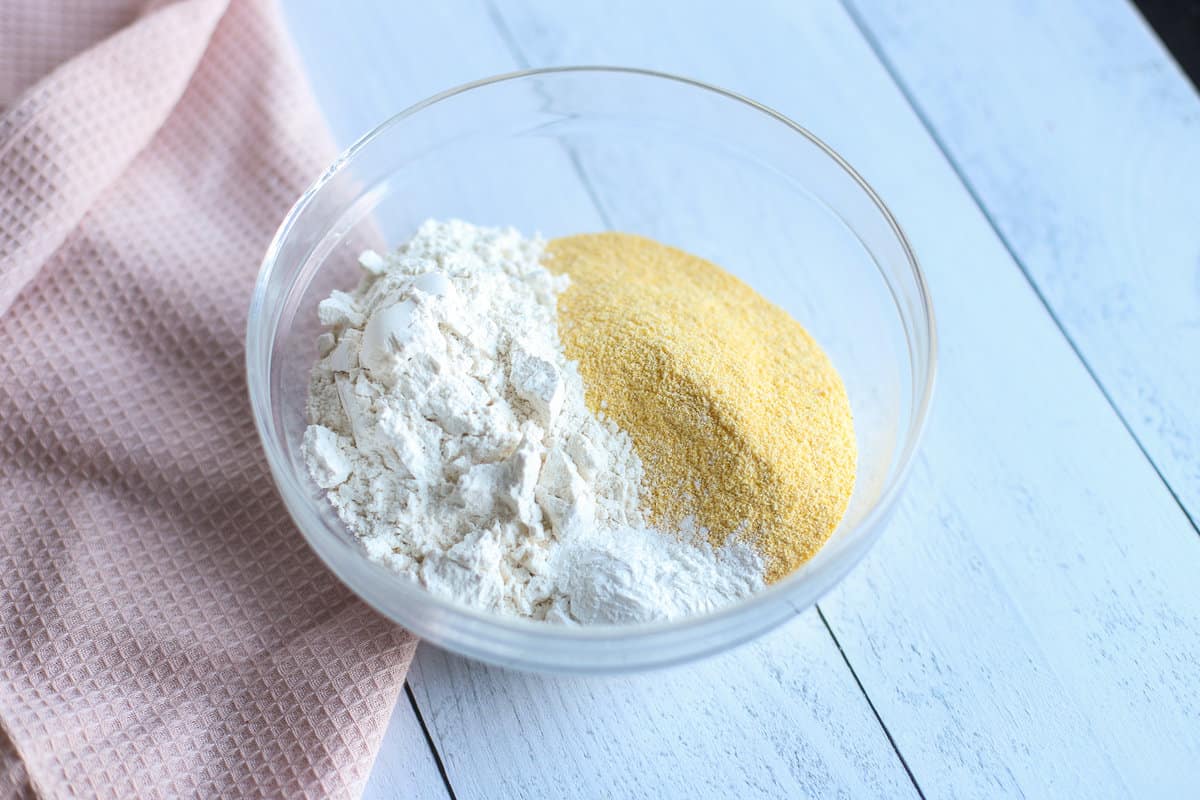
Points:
(450, 433)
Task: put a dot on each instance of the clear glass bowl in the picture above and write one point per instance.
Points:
(564, 151)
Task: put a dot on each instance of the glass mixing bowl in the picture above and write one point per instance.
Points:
(563, 151)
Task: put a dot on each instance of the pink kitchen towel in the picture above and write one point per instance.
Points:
(164, 630)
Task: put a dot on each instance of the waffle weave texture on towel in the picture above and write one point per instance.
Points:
(164, 629)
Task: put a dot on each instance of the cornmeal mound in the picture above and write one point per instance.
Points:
(738, 415)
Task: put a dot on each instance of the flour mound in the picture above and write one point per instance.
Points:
(450, 433)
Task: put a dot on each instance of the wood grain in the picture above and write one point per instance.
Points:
(781, 717)
(1081, 137)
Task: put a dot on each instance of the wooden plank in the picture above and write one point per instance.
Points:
(405, 766)
(840, 745)
(1030, 623)
(781, 717)
(1084, 146)
(369, 59)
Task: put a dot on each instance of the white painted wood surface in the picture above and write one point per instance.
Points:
(1029, 625)
(781, 717)
(1081, 137)
(408, 768)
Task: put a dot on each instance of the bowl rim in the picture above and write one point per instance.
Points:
(289, 486)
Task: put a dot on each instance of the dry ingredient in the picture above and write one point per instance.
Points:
(682, 442)
(741, 420)
(451, 434)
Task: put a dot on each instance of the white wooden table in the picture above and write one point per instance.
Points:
(1030, 623)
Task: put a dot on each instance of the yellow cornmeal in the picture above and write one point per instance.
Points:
(738, 415)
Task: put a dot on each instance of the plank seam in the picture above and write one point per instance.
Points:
(506, 34)
(518, 55)
(927, 124)
(412, 701)
(871, 705)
